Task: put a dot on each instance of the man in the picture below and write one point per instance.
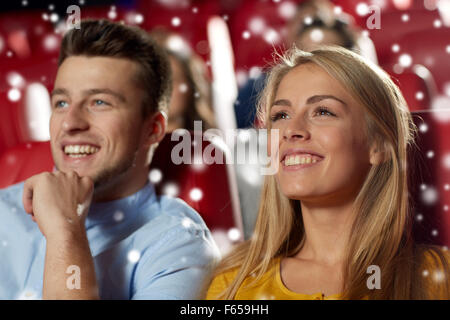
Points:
(96, 229)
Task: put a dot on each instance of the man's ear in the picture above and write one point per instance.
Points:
(378, 153)
(157, 124)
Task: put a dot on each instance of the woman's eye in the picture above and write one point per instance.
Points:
(322, 111)
(278, 116)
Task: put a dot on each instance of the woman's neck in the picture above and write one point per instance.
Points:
(327, 230)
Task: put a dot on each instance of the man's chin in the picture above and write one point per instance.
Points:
(80, 172)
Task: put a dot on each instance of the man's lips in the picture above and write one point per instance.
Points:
(78, 150)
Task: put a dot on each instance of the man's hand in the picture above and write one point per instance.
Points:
(58, 202)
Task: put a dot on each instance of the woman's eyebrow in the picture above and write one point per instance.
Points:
(318, 98)
(282, 102)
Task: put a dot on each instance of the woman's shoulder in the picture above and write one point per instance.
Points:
(223, 280)
(220, 283)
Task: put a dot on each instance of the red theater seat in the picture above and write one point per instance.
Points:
(430, 177)
(206, 188)
(23, 161)
(429, 48)
(396, 24)
(417, 91)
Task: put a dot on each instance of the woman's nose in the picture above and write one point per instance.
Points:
(296, 128)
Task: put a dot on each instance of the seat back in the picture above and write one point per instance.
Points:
(429, 182)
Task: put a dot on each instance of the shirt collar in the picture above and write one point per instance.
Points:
(121, 209)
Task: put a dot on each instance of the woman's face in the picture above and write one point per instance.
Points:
(323, 152)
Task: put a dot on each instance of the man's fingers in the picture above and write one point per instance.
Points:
(27, 196)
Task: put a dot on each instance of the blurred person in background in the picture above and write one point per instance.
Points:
(191, 98)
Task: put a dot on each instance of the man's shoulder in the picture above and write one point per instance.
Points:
(176, 225)
(176, 212)
(11, 197)
(11, 193)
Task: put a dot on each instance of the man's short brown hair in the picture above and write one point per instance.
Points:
(115, 40)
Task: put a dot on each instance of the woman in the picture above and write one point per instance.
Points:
(334, 221)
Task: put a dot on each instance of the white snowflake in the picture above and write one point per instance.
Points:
(446, 161)
(257, 25)
(362, 9)
(176, 22)
(186, 222)
(429, 196)
(196, 194)
(316, 35)
(155, 176)
(438, 276)
(118, 216)
(134, 256)
(14, 95)
(423, 127)
(405, 60)
(246, 35)
(54, 17)
(15, 79)
(395, 47)
(234, 234)
(419, 95)
(287, 10)
(171, 190)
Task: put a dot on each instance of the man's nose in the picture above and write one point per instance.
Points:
(75, 119)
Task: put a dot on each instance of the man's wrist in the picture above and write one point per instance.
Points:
(68, 234)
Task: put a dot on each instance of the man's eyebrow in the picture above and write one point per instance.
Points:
(106, 91)
(318, 98)
(61, 91)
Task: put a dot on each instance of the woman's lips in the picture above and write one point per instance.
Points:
(298, 161)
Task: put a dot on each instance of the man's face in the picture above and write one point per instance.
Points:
(96, 127)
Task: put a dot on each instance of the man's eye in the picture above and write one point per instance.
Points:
(323, 111)
(99, 102)
(61, 104)
(278, 116)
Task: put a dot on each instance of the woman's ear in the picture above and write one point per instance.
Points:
(157, 124)
(377, 153)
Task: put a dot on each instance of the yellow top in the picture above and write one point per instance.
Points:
(271, 287)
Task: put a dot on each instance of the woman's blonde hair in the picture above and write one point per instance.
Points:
(381, 233)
